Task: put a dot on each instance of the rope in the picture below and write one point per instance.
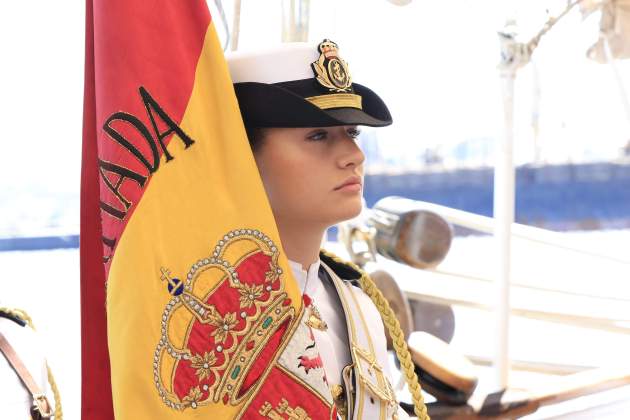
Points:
(19, 313)
(397, 335)
(55, 390)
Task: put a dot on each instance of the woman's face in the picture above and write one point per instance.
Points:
(312, 175)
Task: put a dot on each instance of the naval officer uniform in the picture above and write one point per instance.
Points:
(321, 295)
(340, 342)
(17, 341)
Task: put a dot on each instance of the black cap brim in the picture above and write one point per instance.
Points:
(273, 105)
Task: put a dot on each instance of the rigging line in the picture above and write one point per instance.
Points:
(531, 287)
(533, 43)
(542, 236)
(219, 7)
(236, 24)
(589, 322)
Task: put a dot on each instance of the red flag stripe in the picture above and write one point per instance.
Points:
(95, 375)
(155, 45)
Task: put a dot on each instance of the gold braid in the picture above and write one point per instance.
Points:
(18, 313)
(397, 335)
(21, 314)
(55, 390)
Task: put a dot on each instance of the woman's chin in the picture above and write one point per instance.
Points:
(347, 211)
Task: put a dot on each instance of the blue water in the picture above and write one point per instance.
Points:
(562, 197)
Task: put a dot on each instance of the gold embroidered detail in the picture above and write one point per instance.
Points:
(339, 398)
(251, 346)
(283, 409)
(336, 100)
(330, 70)
(228, 342)
(274, 271)
(203, 364)
(375, 381)
(224, 325)
(315, 319)
(249, 294)
(193, 397)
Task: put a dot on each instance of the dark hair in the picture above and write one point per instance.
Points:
(255, 135)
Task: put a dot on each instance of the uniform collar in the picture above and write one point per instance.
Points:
(306, 278)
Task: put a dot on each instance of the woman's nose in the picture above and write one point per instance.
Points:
(350, 154)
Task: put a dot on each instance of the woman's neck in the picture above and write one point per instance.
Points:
(301, 243)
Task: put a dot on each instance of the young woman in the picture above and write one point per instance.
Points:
(302, 112)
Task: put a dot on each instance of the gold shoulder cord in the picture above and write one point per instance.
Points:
(19, 313)
(398, 337)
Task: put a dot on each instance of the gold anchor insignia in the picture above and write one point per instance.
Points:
(330, 70)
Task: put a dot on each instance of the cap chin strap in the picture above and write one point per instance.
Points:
(336, 100)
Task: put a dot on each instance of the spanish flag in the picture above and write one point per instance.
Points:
(187, 297)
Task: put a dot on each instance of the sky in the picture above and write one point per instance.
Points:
(433, 62)
(41, 94)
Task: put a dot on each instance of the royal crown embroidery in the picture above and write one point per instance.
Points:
(223, 323)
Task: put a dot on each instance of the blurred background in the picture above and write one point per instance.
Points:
(435, 65)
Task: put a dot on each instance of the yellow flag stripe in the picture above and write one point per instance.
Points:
(190, 203)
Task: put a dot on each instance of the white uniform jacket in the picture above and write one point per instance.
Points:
(15, 400)
(352, 347)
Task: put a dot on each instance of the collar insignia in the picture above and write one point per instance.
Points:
(330, 70)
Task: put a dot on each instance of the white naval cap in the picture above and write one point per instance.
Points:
(273, 65)
(302, 85)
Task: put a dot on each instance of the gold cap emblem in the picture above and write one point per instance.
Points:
(330, 70)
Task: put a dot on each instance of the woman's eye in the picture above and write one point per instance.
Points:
(354, 132)
(320, 135)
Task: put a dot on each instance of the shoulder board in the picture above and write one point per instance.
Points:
(12, 317)
(342, 269)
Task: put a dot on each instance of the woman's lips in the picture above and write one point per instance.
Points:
(352, 184)
(350, 188)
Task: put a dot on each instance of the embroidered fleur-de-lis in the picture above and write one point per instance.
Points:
(203, 364)
(273, 273)
(223, 325)
(193, 397)
(249, 294)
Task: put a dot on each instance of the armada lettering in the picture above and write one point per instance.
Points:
(143, 130)
(110, 243)
(150, 104)
(123, 173)
(151, 162)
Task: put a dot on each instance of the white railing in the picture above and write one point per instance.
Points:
(542, 236)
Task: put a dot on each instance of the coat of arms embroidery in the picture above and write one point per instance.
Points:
(223, 324)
